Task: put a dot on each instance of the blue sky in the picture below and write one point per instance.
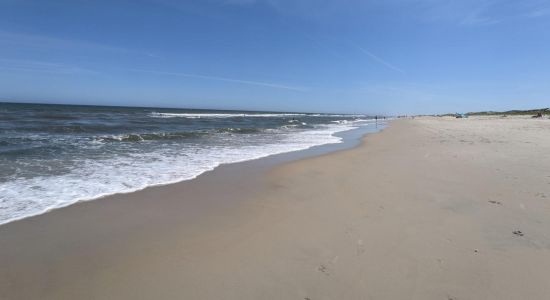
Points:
(356, 56)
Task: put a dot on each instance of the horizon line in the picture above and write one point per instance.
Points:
(188, 108)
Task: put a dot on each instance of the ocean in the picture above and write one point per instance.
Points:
(55, 155)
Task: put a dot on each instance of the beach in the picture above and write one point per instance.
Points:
(430, 208)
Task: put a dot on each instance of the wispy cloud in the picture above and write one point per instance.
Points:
(34, 41)
(225, 79)
(240, 2)
(34, 66)
(40, 41)
(477, 18)
(325, 47)
(462, 13)
(539, 12)
(482, 12)
(313, 9)
(380, 60)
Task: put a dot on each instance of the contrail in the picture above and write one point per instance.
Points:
(208, 77)
(380, 60)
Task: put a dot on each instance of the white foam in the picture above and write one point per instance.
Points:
(92, 179)
(221, 115)
(233, 115)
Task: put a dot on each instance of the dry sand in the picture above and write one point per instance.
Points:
(427, 209)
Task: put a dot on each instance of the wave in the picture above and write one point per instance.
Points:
(93, 178)
(341, 121)
(220, 115)
(347, 122)
(245, 115)
(240, 130)
(55, 116)
(72, 128)
(141, 137)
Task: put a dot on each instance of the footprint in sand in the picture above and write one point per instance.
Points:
(349, 230)
(323, 269)
(518, 233)
(360, 247)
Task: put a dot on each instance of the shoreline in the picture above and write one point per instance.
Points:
(349, 139)
(425, 209)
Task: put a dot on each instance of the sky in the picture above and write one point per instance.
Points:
(346, 56)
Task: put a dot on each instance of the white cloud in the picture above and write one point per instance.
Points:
(33, 41)
(34, 66)
(463, 12)
(380, 60)
(217, 78)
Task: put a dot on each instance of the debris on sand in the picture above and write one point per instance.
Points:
(323, 269)
(518, 232)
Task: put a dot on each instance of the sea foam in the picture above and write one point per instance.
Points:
(93, 178)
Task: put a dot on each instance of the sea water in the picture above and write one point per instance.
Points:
(55, 155)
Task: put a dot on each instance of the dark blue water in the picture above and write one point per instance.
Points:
(55, 155)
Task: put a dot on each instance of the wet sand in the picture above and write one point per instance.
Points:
(427, 209)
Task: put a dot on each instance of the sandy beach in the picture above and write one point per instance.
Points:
(430, 208)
